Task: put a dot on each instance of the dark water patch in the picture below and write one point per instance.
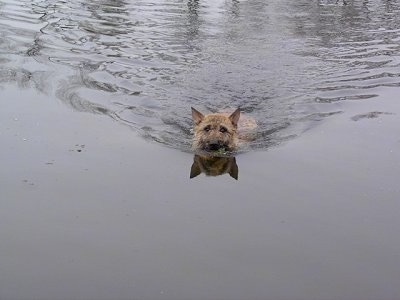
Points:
(343, 98)
(370, 115)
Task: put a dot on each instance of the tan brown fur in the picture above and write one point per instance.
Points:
(219, 131)
(215, 131)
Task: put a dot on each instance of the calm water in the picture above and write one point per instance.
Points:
(90, 209)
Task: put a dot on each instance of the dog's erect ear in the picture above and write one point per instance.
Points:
(197, 116)
(234, 117)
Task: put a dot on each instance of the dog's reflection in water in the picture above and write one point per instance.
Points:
(214, 166)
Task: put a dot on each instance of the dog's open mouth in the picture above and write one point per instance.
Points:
(217, 149)
(216, 146)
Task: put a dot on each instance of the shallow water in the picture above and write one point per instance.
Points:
(100, 204)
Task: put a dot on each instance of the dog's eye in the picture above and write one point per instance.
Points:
(223, 129)
(207, 128)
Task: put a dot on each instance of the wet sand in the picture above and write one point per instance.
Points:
(89, 210)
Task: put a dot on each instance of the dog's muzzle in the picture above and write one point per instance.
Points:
(215, 145)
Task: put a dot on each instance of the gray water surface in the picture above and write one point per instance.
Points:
(95, 129)
(144, 63)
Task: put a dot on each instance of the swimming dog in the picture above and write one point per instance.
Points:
(221, 132)
(215, 132)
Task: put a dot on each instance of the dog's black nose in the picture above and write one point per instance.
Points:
(213, 146)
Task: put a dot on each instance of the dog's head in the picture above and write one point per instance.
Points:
(214, 132)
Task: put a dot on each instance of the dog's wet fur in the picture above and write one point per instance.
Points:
(215, 132)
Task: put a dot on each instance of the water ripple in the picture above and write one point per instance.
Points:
(144, 63)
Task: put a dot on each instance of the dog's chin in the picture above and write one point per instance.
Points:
(217, 149)
(205, 147)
